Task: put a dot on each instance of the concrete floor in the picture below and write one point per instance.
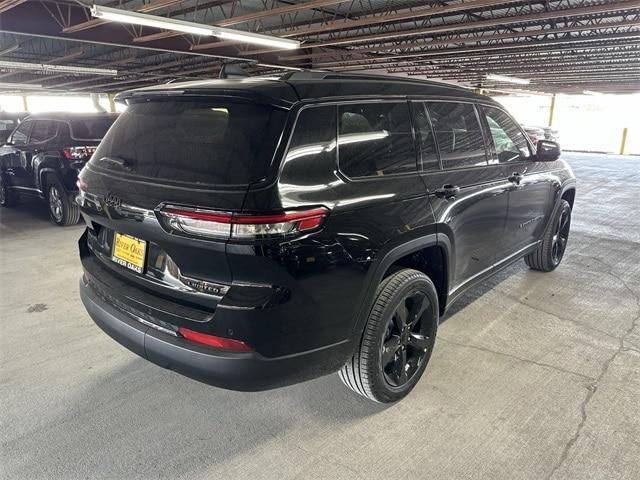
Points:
(535, 376)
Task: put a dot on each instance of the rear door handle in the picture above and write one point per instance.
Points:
(515, 177)
(447, 191)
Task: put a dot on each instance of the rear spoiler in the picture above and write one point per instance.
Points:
(285, 101)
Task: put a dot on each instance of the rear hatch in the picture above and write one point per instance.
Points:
(169, 153)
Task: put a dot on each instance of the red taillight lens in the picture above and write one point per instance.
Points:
(213, 224)
(78, 153)
(221, 343)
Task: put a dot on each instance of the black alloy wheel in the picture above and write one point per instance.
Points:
(407, 339)
(398, 338)
(553, 245)
(560, 236)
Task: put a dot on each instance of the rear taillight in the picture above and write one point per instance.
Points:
(214, 224)
(222, 343)
(78, 153)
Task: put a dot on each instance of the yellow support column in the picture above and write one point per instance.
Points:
(112, 103)
(25, 104)
(623, 142)
(552, 108)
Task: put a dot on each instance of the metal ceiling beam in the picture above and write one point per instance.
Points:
(9, 4)
(10, 49)
(369, 20)
(237, 20)
(525, 55)
(527, 65)
(468, 39)
(399, 17)
(493, 22)
(486, 49)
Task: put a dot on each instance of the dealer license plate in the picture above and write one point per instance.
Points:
(129, 252)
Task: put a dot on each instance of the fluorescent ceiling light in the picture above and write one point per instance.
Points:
(135, 18)
(591, 92)
(284, 67)
(44, 67)
(503, 78)
(19, 86)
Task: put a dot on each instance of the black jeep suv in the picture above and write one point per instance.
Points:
(259, 232)
(42, 158)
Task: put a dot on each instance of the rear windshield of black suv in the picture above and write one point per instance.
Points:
(194, 141)
(90, 128)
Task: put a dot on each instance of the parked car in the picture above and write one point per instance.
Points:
(551, 134)
(534, 133)
(43, 156)
(256, 233)
(8, 122)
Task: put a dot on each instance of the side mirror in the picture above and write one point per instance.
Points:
(547, 151)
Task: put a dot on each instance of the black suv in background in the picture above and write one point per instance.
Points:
(42, 158)
(260, 232)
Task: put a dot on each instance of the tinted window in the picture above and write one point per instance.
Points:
(90, 128)
(313, 143)
(43, 130)
(458, 134)
(209, 141)
(7, 124)
(20, 135)
(375, 139)
(427, 142)
(508, 139)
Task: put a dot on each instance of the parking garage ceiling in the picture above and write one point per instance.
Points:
(559, 46)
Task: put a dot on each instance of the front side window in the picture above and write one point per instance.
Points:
(458, 134)
(21, 134)
(509, 141)
(375, 139)
(43, 130)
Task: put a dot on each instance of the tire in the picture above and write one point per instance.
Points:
(550, 251)
(387, 349)
(8, 198)
(63, 210)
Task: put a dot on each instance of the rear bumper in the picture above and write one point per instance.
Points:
(231, 370)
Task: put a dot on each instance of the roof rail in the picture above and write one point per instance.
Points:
(326, 75)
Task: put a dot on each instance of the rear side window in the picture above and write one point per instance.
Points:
(216, 142)
(375, 139)
(313, 143)
(90, 128)
(458, 134)
(508, 139)
(43, 130)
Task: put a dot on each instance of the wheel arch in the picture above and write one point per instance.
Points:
(566, 192)
(569, 194)
(410, 254)
(42, 179)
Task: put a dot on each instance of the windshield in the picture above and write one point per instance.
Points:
(210, 141)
